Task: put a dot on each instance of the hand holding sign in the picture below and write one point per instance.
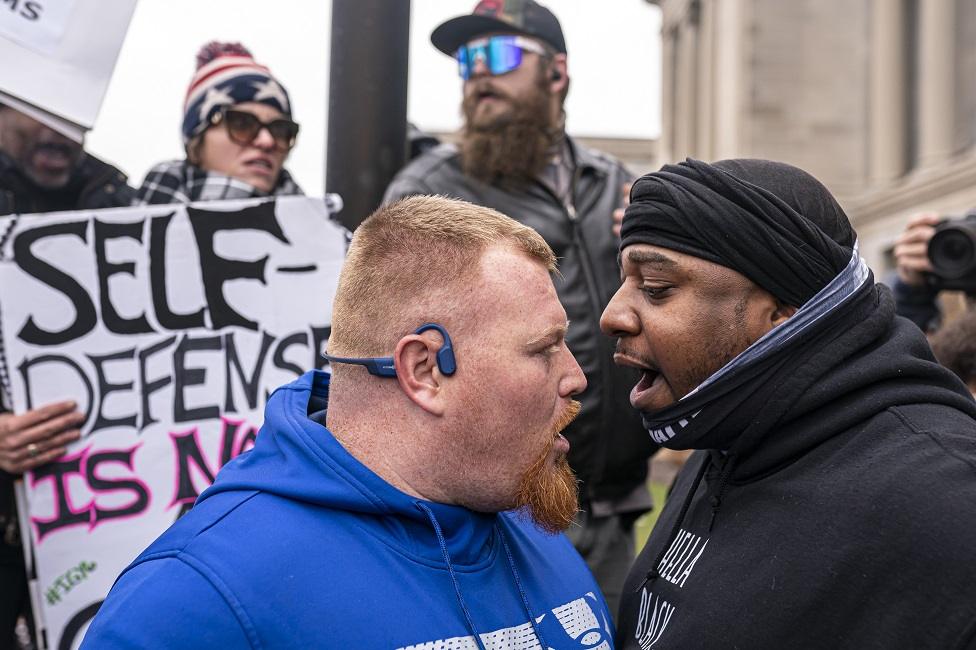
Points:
(38, 436)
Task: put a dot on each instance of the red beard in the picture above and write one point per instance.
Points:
(548, 488)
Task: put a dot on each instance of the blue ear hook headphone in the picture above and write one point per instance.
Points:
(383, 366)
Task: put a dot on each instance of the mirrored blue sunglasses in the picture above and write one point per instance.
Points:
(500, 54)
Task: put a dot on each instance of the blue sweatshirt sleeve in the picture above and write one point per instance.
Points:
(165, 603)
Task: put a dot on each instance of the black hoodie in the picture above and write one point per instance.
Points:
(846, 520)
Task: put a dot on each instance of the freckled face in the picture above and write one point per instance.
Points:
(515, 380)
(680, 318)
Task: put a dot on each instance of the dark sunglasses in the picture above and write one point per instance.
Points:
(244, 127)
(500, 54)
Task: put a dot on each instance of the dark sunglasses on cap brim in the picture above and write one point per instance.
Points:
(500, 54)
(244, 127)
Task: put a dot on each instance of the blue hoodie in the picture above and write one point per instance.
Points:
(299, 545)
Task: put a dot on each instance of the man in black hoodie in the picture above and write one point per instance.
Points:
(830, 503)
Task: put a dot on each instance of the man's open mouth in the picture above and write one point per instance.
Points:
(647, 379)
(649, 375)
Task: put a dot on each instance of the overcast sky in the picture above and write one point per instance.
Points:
(614, 62)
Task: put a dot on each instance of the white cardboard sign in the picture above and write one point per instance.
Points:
(170, 326)
(37, 24)
(59, 54)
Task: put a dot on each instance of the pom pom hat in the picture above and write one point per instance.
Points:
(226, 75)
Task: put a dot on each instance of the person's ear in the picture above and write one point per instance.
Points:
(420, 378)
(193, 149)
(782, 312)
(558, 74)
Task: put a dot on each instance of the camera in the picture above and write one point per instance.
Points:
(952, 252)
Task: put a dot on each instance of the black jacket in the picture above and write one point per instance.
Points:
(917, 304)
(849, 525)
(94, 185)
(609, 446)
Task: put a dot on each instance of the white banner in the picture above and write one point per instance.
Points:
(170, 326)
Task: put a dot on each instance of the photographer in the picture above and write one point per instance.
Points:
(915, 293)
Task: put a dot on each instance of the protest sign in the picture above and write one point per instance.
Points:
(58, 57)
(170, 326)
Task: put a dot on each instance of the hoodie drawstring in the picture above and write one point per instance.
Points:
(714, 499)
(450, 569)
(457, 585)
(723, 480)
(518, 583)
(653, 574)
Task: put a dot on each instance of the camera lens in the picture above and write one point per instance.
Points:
(952, 252)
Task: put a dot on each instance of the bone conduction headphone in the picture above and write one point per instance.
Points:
(384, 367)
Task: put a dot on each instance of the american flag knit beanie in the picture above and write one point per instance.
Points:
(226, 75)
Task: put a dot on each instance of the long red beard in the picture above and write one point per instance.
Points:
(548, 488)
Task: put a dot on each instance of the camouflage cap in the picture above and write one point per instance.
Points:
(503, 16)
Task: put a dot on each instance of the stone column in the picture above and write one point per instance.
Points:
(686, 105)
(731, 79)
(936, 76)
(666, 143)
(888, 117)
(705, 122)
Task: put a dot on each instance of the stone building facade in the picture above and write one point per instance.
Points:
(877, 98)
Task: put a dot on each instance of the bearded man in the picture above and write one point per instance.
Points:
(44, 171)
(829, 503)
(413, 500)
(514, 156)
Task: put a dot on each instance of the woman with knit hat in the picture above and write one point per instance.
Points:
(237, 132)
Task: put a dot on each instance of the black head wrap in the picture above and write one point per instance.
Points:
(773, 223)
